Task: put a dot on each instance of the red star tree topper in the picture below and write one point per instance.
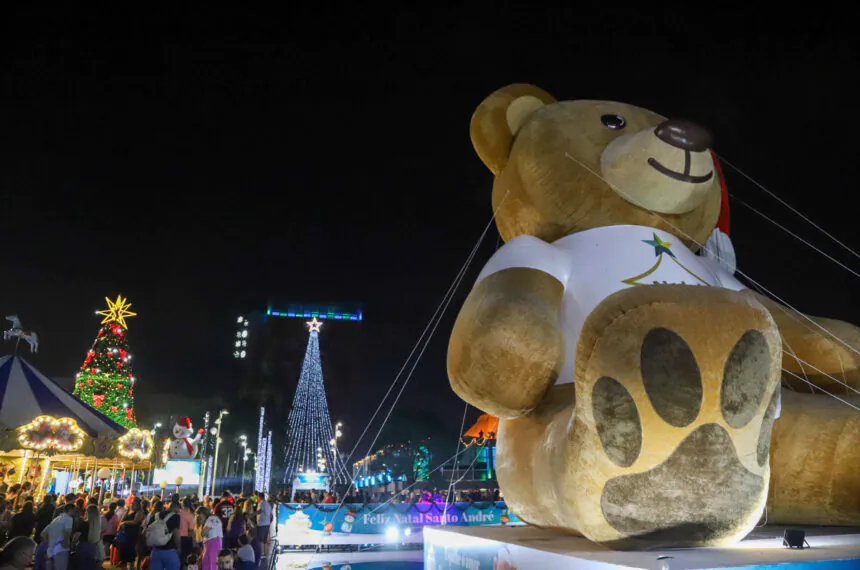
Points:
(105, 380)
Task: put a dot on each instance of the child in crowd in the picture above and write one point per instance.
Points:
(191, 562)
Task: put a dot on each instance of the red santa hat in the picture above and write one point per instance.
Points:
(184, 422)
(723, 220)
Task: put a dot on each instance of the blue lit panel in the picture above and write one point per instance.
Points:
(318, 312)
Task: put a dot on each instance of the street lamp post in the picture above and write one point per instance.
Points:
(243, 441)
(333, 444)
(152, 432)
(216, 431)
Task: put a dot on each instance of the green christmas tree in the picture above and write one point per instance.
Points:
(105, 380)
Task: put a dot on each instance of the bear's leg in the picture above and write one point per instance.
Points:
(815, 457)
(527, 454)
(676, 391)
(814, 354)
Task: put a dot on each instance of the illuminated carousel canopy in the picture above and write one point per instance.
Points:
(26, 393)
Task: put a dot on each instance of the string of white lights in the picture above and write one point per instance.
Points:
(309, 427)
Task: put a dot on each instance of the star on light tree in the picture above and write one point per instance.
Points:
(117, 311)
(314, 325)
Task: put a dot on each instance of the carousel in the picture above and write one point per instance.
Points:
(58, 444)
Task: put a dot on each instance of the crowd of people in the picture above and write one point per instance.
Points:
(78, 532)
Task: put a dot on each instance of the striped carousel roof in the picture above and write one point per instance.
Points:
(26, 393)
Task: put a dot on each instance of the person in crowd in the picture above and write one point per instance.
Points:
(186, 529)
(166, 557)
(58, 535)
(264, 517)
(245, 558)
(68, 500)
(224, 510)
(128, 533)
(236, 526)
(17, 553)
(327, 498)
(121, 510)
(225, 560)
(111, 523)
(256, 545)
(191, 562)
(142, 549)
(23, 522)
(5, 519)
(26, 491)
(90, 529)
(44, 516)
(211, 532)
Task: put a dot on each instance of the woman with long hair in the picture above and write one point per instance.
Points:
(211, 532)
(111, 522)
(86, 555)
(235, 526)
(23, 522)
(17, 554)
(186, 530)
(129, 531)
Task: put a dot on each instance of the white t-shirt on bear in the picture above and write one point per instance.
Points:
(594, 264)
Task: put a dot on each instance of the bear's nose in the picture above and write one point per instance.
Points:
(684, 135)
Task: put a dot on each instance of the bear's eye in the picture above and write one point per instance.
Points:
(613, 122)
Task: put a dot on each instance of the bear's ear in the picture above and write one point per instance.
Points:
(499, 117)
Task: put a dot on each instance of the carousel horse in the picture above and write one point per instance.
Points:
(18, 332)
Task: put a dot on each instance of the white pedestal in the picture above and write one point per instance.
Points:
(529, 548)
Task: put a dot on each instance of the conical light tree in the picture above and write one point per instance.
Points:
(105, 380)
(309, 430)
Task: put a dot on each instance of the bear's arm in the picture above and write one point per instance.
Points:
(506, 349)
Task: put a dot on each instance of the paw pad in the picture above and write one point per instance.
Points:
(695, 492)
(671, 377)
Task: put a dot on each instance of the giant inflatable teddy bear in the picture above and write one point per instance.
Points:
(637, 381)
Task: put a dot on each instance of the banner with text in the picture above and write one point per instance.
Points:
(373, 518)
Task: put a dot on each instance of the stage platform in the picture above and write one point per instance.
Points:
(528, 548)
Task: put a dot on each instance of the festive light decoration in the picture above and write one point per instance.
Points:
(309, 424)
(267, 469)
(137, 444)
(116, 312)
(105, 380)
(165, 451)
(50, 434)
(260, 459)
(314, 325)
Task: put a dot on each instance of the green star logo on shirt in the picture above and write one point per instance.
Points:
(659, 246)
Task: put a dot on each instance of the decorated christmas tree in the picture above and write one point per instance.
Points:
(105, 380)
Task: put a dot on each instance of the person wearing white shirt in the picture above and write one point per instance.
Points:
(264, 517)
(57, 536)
(210, 532)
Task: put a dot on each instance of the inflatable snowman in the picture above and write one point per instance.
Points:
(184, 446)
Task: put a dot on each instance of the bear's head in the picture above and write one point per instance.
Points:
(566, 166)
(182, 429)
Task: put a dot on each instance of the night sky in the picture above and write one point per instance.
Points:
(202, 163)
